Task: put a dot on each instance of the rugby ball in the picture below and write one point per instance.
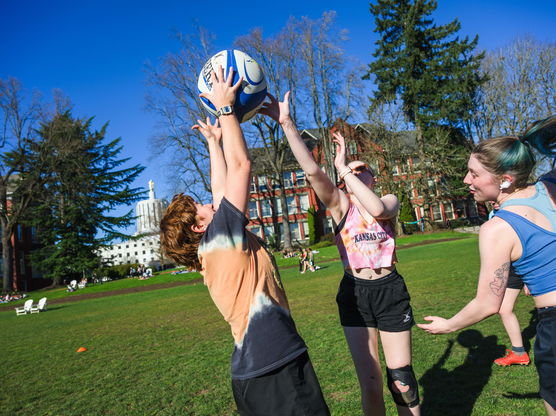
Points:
(251, 93)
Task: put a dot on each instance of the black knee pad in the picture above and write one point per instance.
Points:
(406, 376)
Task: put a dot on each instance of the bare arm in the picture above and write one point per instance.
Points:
(238, 174)
(213, 135)
(382, 208)
(495, 245)
(327, 192)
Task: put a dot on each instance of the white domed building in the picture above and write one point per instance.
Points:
(146, 248)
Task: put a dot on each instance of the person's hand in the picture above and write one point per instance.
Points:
(340, 158)
(526, 290)
(223, 92)
(276, 110)
(212, 132)
(437, 325)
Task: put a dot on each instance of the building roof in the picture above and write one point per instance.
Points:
(260, 157)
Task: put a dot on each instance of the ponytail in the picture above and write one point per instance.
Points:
(542, 136)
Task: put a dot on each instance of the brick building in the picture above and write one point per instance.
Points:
(266, 212)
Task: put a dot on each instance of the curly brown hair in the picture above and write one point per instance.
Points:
(177, 240)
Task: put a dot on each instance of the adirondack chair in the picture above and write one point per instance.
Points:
(25, 309)
(39, 307)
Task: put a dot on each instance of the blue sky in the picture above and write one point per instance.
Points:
(95, 51)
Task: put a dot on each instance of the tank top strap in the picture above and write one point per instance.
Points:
(540, 201)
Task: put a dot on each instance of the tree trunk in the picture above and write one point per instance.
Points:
(285, 220)
(7, 266)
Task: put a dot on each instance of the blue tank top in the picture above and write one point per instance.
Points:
(537, 264)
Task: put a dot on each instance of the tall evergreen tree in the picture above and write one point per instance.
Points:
(427, 67)
(83, 182)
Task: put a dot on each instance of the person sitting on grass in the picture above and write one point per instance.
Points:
(271, 370)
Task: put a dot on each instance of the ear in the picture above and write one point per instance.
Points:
(198, 228)
(506, 181)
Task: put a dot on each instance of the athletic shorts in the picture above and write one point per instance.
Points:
(290, 390)
(545, 354)
(380, 303)
(514, 281)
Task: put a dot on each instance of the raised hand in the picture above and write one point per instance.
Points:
(211, 132)
(340, 158)
(276, 110)
(223, 92)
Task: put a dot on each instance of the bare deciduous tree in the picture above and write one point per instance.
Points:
(20, 114)
(319, 64)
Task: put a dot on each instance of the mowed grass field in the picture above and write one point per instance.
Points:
(167, 351)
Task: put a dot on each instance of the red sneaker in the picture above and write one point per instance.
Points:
(512, 358)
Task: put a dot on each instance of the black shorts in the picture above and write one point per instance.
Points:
(380, 303)
(290, 390)
(514, 281)
(545, 354)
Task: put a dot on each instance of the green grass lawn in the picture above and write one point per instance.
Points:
(167, 351)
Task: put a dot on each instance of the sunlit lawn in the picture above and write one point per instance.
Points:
(167, 351)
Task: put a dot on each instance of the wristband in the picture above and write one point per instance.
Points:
(345, 172)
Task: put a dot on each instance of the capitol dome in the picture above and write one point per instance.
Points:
(149, 213)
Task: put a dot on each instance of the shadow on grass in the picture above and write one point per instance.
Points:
(454, 392)
(528, 333)
(531, 330)
(55, 308)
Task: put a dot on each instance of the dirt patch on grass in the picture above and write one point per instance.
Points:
(167, 285)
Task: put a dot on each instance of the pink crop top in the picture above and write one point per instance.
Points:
(363, 244)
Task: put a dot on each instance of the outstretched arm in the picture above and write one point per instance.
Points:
(213, 135)
(327, 192)
(495, 245)
(236, 189)
(381, 208)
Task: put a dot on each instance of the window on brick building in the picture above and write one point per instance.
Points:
(352, 147)
(288, 181)
(277, 206)
(262, 183)
(294, 230)
(253, 209)
(436, 214)
(448, 211)
(274, 181)
(265, 208)
(299, 178)
(304, 202)
(292, 206)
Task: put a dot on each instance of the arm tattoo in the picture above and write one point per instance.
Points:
(498, 285)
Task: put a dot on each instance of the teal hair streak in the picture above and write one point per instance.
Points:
(516, 155)
(542, 136)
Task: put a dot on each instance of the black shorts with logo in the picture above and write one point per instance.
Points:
(290, 390)
(380, 303)
(545, 354)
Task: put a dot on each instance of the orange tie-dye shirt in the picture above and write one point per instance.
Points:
(245, 285)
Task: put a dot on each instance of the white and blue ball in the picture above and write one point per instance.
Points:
(251, 93)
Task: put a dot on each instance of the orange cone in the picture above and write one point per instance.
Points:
(81, 349)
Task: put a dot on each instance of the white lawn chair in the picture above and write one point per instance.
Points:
(25, 309)
(39, 307)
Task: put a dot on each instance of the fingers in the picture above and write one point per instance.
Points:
(220, 71)
(337, 135)
(287, 97)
